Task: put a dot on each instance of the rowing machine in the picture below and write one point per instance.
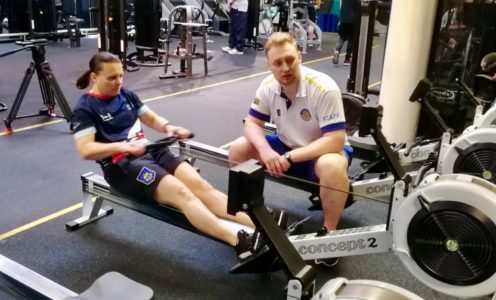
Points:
(444, 231)
(473, 152)
(375, 188)
(484, 119)
(96, 190)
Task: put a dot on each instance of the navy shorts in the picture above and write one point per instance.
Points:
(138, 177)
(304, 169)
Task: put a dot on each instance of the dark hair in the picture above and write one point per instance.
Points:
(96, 66)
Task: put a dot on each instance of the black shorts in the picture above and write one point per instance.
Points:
(138, 177)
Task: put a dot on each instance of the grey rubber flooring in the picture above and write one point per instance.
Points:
(40, 176)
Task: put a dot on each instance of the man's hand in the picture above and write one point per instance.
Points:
(276, 164)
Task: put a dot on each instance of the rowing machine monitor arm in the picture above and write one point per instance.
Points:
(246, 184)
(370, 123)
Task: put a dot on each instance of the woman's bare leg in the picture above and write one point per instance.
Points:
(213, 199)
(172, 191)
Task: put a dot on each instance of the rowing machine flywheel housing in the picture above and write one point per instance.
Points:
(444, 232)
(472, 153)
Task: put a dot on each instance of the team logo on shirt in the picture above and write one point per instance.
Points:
(146, 176)
(256, 101)
(305, 115)
(106, 118)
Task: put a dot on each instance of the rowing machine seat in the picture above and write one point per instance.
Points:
(352, 105)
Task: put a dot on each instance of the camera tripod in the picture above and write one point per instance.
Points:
(50, 89)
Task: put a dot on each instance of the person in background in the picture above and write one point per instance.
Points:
(238, 14)
(4, 22)
(350, 9)
(453, 28)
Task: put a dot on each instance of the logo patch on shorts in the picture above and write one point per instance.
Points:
(146, 176)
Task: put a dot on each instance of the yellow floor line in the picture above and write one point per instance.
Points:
(33, 126)
(40, 221)
(224, 82)
(172, 94)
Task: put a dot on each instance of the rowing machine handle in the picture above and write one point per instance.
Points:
(165, 142)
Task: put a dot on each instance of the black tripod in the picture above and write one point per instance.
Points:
(50, 89)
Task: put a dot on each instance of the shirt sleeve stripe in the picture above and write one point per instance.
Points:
(258, 115)
(143, 109)
(84, 132)
(333, 127)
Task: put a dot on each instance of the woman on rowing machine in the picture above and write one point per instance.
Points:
(107, 128)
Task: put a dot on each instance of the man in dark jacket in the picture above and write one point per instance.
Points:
(350, 9)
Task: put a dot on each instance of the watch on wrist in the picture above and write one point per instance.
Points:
(287, 156)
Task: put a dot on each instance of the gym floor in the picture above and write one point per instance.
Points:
(41, 187)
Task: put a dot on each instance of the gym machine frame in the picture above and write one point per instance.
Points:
(358, 80)
(50, 89)
(300, 26)
(113, 31)
(186, 24)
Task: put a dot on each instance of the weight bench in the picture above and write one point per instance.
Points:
(24, 281)
(95, 186)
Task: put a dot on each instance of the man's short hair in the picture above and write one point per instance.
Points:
(279, 39)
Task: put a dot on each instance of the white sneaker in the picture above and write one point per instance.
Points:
(235, 51)
(226, 49)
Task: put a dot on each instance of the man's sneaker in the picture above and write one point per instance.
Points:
(244, 245)
(335, 57)
(226, 49)
(327, 262)
(347, 62)
(235, 51)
